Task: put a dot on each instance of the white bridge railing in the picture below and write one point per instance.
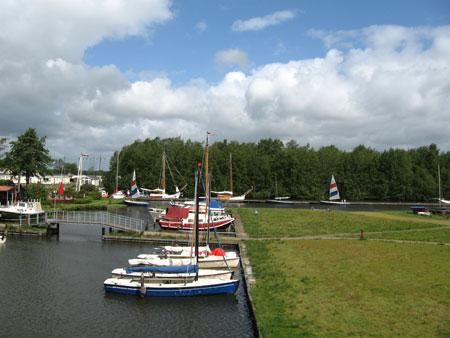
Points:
(103, 218)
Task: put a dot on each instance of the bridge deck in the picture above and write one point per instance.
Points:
(103, 218)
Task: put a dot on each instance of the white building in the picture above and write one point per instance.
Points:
(51, 179)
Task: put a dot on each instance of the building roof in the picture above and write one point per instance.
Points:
(5, 188)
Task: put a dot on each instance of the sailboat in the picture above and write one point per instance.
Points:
(227, 195)
(117, 194)
(279, 199)
(160, 192)
(135, 194)
(334, 197)
(440, 199)
(165, 288)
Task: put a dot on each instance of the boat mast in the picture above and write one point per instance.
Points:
(117, 173)
(206, 166)
(231, 174)
(197, 177)
(439, 184)
(163, 171)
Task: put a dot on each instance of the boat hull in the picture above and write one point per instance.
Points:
(7, 216)
(335, 202)
(172, 277)
(134, 203)
(180, 225)
(197, 288)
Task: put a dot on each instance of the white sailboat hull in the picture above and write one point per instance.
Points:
(230, 260)
(158, 277)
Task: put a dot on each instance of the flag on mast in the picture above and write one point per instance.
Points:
(61, 189)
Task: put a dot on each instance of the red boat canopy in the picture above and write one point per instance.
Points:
(177, 212)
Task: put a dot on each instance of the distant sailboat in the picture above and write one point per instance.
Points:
(160, 192)
(279, 199)
(440, 199)
(227, 195)
(334, 197)
(135, 194)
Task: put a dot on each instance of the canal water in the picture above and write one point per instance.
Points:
(54, 288)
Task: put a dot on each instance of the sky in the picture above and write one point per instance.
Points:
(93, 76)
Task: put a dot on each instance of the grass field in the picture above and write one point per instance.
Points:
(300, 222)
(335, 288)
(342, 288)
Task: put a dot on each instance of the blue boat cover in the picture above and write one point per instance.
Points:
(163, 269)
(215, 204)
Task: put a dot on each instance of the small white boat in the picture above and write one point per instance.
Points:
(118, 195)
(169, 251)
(20, 209)
(424, 213)
(444, 201)
(182, 276)
(229, 260)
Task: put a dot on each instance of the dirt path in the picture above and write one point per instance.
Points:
(403, 218)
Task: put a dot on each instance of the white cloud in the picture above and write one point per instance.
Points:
(201, 26)
(382, 86)
(261, 22)
(43, 29)
(232, 57)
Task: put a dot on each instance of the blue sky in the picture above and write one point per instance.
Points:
(181, 51)
(94, 76)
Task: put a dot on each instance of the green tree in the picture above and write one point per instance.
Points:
(28, 155)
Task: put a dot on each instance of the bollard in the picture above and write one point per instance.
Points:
(142, 290)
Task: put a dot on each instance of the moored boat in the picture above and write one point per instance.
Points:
(151, 276)
(229, 259)
(198, 287)
(16, 211)
(182, 217)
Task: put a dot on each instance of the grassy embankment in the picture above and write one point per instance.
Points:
(84, 204)
(341, 287)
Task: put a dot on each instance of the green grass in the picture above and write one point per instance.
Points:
(438, 235)
(87, 204)
(336, 288)
(299, 222)
(342, 288)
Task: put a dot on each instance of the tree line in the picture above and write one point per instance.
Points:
(288, 169)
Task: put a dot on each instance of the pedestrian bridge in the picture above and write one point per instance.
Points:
(103, 218)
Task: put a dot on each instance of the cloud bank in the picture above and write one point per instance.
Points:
(382, 86)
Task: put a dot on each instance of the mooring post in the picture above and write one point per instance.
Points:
(361, 235)
(142, 291)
